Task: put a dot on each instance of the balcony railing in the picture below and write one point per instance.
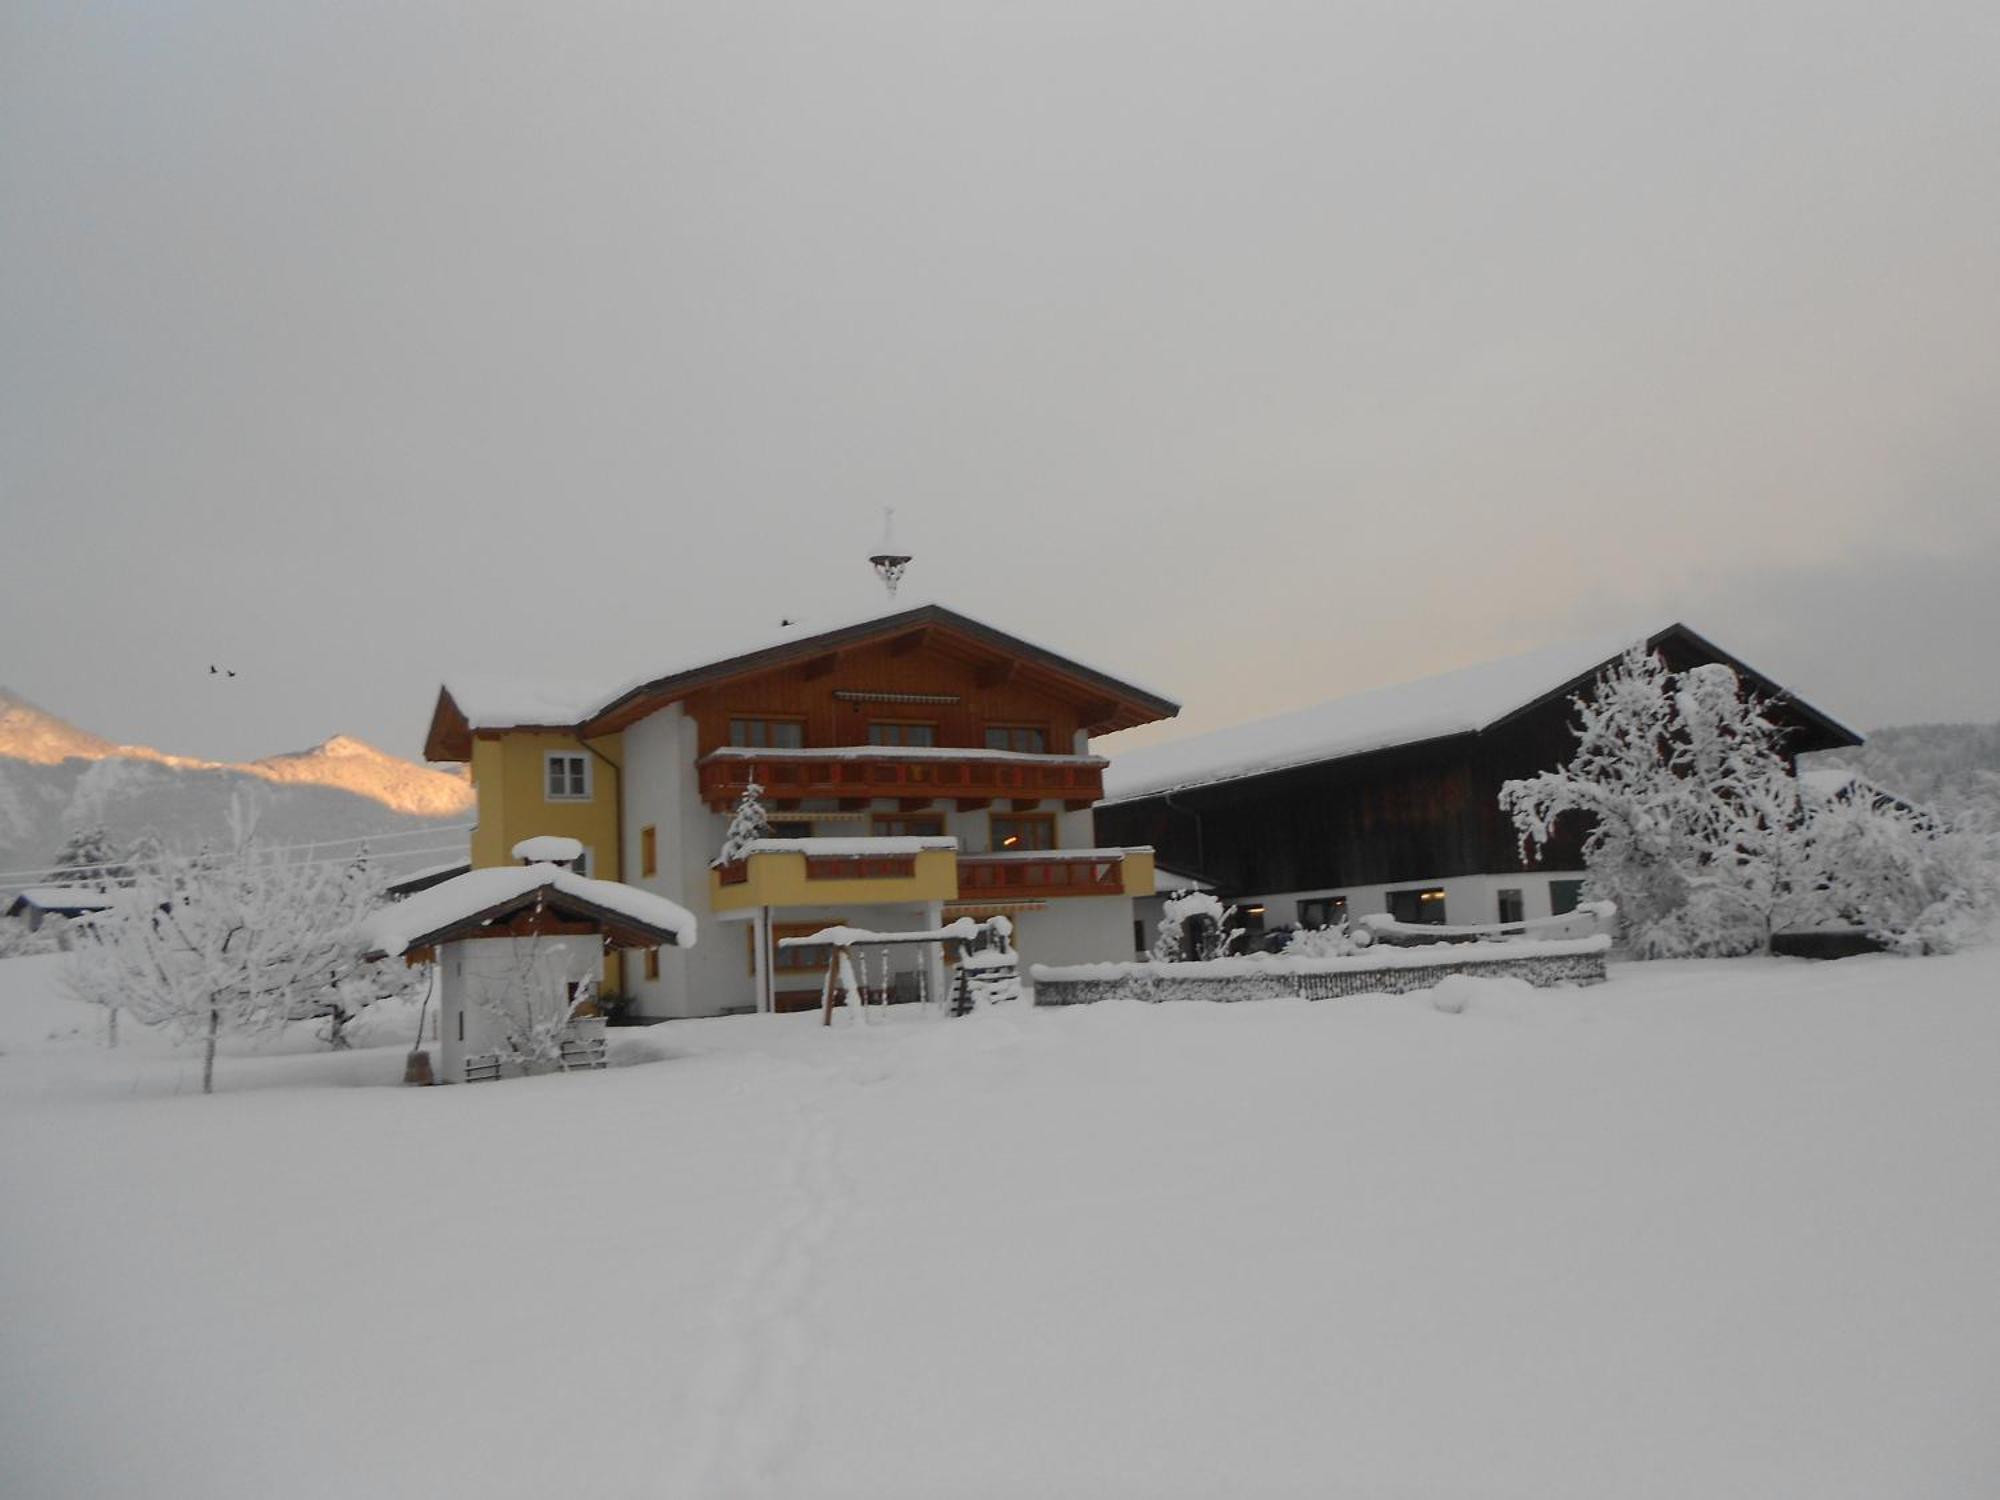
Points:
(1054, 873)
(904, 772)
(861, 867)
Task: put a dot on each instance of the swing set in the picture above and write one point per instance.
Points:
(982, 953)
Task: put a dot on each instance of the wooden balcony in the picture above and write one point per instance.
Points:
(972, 778)
(792, 872)
(1055, 872)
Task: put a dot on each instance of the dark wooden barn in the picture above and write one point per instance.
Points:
(1405, 789)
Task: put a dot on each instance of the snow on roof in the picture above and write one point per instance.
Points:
(550, 849)
(62, 898)
(490, 702)
(1460, 702)
(964, 930)
(395, 929)
(431, 873)
(902, 752)
(905, 844)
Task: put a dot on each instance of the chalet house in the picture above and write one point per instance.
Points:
(917, 767)
(1388, 801)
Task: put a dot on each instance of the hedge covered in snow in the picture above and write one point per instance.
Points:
(1389, 971)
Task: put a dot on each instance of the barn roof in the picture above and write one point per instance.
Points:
(1466, 701)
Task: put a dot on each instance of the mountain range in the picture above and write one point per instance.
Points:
(56, 778)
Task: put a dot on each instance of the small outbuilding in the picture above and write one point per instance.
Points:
(519, 953)
(38, 903)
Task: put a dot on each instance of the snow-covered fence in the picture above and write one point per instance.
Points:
(1393, 971)
(1587, 920)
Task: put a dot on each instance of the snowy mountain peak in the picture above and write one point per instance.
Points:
(31, 733)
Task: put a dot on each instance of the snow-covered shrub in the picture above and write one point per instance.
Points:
(746, 825)
(1913, 883)
(208, 946)
(534, 1010)
(1335, 941)
(19, 940)
(1194, 925)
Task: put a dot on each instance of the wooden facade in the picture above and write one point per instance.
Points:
(1416, 812)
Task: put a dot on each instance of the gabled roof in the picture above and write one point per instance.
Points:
(469, 704)
(63, 900)
(478, 898)
(1470, 700)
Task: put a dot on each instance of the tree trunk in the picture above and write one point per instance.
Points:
(208, 1051)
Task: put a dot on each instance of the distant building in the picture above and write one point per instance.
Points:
(37, 904)
(1388, 801)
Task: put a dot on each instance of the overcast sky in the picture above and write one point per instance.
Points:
(1257, 352)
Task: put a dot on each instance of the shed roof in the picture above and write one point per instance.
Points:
(475, 900)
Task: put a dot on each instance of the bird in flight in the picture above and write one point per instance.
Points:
(215, 671)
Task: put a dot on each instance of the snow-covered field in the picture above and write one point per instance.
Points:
(1723, 1229)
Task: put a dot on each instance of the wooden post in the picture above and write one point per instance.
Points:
(826, 989)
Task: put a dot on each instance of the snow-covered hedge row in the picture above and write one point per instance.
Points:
(1392, 971)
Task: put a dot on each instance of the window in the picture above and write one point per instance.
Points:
(567, 777)
(908, 825)
(1421, 908)
(901, 732)
(1512, 907)
(1020, 739)
(652, 963)
(768, 734)
(649, 850)
(582, 863)
(1564, 896)
(1024, 831)
(1323, 911)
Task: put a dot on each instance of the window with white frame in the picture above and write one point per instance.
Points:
(566, 777)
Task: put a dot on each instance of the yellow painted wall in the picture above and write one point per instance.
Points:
(1137, 870)
(509, 778)
(779, 879)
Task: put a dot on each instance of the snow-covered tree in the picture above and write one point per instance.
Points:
(746, 825)
(1194, 925)
(535, 1009)
(1911, 881)
(90, 857)
(207, 946)
(1697, 830)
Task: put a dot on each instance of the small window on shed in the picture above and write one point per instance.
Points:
(1565, 896)
(1512, 907)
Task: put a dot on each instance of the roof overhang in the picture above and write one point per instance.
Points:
(1109, 703)
(619, 929)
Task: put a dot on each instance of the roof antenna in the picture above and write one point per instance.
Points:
(889, 563)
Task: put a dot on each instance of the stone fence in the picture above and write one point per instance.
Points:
(1381, 972)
